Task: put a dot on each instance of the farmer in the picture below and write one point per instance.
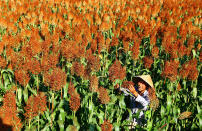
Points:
(140, 98)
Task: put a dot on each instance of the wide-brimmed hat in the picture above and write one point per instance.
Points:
(145, 78)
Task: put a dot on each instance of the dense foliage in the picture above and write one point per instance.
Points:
(61, 62)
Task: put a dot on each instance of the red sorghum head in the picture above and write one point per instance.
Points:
(106, 126)
(103, 95)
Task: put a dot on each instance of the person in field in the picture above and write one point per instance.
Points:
(141, 91)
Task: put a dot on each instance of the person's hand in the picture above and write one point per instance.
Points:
(132, 89)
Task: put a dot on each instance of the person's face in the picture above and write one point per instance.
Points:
(142, 86)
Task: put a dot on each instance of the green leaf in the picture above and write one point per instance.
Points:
(91, 107)
(150, 125)
(169, 102)
(113, 98)
(10, 71)
(10, 77)
(98, 127)
(75, 122)
(117, 81)
(62, 115)
(200, 122)
(53, 115)
(101, 116)
(194, 53)
(156, 84)
(47, 116)
(32, 90)
(6, 82)
(25, 94)
(68, 65)
(94, 121)
(163, 110)
(46, 128)
(69, 128)
(65, 90)
(122, 102)
(194, 127)
(61, 124)
(61, 104)
(130, 114)
(3, 71)
(198, 108)
(20, 94)
(90, 118)
(116, 126)
(194, 92)
(149, 113)
(92, 127)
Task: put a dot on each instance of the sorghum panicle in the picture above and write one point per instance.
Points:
(126, 84)
(148, 61)
(94, 83)
(184, 115)
(106, 126)
(22, 77)
(35, 105)
(56, 79)
(103, 95)
(78, 69)
(116, 71)
(171, 69)
(93, 62)
(74, 102)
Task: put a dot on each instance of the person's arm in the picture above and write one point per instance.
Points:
(144, 101)
(124, 91)
(132, 90)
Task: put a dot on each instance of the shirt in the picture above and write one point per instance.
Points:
(137, 103)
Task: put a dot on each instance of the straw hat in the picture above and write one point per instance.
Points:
(146, 78)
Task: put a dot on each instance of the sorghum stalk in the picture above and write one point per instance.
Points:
(49, 106)
(103, 72)
(61, 93)
(51, 119)
(105, 111)
(52, 101)
(16, 90)
(112, 91)
(74, 113)
(171, 86)
(38, 122)
(118, 117)
(155, 63)
(89, 102)
(37, 78)
(41, 62)
(116, 52)
(29, 123)
(91, 97)
(1, 79)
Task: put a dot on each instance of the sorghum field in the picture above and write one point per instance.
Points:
(61, 62)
